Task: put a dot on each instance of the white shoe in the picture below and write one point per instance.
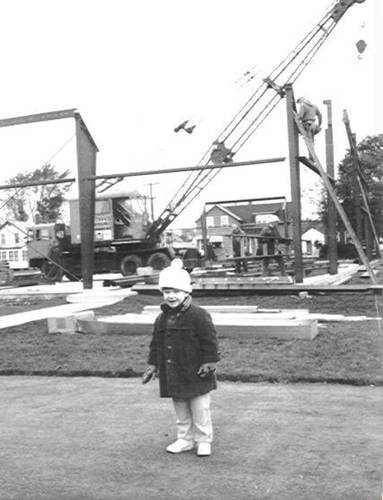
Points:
(204, 449)
(179, 446)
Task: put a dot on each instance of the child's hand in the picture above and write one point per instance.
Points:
(206, 369)
(149, 374)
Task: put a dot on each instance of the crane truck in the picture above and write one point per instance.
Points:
(140, 244)
(121, 223)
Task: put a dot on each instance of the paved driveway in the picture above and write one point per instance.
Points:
(95, 438)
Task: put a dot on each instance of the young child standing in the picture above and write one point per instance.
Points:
(183, 353)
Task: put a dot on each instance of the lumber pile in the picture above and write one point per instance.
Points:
(230, 321)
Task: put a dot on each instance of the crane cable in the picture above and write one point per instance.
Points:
(60, 149)
(292, 78)
(250, 104)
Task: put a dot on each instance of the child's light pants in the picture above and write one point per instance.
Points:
(194, 419)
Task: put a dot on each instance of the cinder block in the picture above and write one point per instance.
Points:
(68, 324)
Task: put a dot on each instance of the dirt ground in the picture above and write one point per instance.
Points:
(105, 439)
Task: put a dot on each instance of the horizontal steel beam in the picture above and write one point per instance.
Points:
(313, 167)
(38, 183)
(187, 169)
(246, 200)
(40, 117)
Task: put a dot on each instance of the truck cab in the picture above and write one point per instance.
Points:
(118, 217)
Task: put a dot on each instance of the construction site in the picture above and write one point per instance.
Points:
(297, 305)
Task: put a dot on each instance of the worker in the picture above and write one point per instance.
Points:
(239, 243)
(310, 117)
(270, 235)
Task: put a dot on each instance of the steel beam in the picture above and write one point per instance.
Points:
(186, 169)
(295, 184)
(247, 200)
(39, 183)
(39, 117)
(86, 165)
(311, 166)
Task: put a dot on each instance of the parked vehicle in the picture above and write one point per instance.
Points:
(120, 243)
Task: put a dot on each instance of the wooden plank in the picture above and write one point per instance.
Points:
(238, 310)
(335, 200)
(285, 330)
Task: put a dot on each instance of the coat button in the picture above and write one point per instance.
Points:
(168, 361)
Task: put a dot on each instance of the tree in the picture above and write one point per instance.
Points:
(370, 153)
(37, 204)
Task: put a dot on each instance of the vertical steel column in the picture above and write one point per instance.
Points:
(295, 184)
(86, 166)
(331, 210)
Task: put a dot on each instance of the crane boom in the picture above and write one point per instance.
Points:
(251, 116)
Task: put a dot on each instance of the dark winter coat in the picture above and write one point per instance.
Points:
(237, 241)
(183, 339)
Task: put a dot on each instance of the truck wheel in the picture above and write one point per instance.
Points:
(129, 264)
(51, 272)
(191, 259)
(158, 261)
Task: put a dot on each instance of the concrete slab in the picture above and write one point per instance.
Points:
(105, 439)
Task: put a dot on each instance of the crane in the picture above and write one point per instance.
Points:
(251, 116)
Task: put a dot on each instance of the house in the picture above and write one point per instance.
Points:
(313, 237)
(13, 247)
(250, 215)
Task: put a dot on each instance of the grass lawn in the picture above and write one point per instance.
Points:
(346, 352)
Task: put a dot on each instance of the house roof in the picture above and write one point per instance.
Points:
(224, 209)
(313, 224)
(246, 212)
(229, 212)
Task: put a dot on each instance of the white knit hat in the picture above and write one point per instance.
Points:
(175, 277)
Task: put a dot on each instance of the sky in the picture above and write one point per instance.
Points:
(135, 69)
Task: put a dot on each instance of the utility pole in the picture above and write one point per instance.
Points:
(151, 184)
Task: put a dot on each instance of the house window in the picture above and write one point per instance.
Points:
(44, 234)
(3, 255)
(24, 255)
(3, 240)
(17, 238)
(224, 220)
(13, 255)
(209, 221)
